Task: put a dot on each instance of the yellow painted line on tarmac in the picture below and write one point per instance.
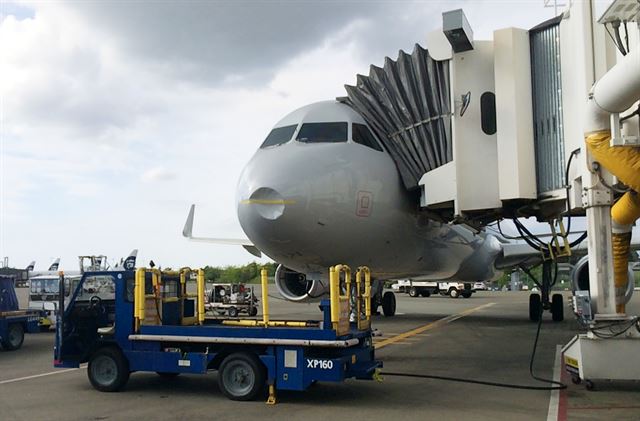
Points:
(35, 376)
(430, 326)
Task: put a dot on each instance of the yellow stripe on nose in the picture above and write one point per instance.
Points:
(268, 202)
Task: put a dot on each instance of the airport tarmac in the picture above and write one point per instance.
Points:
(485, 337)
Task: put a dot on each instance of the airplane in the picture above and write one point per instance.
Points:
(322, 190)
(53, 268)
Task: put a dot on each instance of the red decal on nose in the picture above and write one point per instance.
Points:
(364, 203)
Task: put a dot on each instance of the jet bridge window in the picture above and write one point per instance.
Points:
(363, 136)
(323, 132)
(279, 135)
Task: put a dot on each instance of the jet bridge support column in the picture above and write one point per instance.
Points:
(610, 350)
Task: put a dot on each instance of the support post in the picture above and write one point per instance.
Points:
(265, 297)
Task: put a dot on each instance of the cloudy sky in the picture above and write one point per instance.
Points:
(116, 116)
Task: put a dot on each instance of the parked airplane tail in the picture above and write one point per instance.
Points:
(54, 266)
(130, 261)
(30, 266)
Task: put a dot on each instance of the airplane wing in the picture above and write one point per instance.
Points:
(187, 232)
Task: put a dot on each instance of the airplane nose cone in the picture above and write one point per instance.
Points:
(266, 203)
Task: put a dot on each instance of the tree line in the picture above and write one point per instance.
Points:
(248, 274)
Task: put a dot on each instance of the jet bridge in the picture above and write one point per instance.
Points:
(486, 130)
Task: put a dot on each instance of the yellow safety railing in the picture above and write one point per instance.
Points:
(265, 322)
(363, 297)
(340, 302)
(140, 296)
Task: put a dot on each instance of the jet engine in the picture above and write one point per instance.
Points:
(580, 278)
(294, 286)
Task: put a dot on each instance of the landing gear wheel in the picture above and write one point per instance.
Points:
(535, 307)
(108, 370)
(166, 375)
(15, 337)
(241, 377)
(233, 312)
(466, 294)
(453, 293)
(389, 304)
(413, 292)
(589, 385)
(253, 312)
(425, 294)
(557, 308)
(576, 380)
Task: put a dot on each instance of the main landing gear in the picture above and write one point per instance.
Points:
(388, 302)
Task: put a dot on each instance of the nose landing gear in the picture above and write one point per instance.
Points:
(538, 303)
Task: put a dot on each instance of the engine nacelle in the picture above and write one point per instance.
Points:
(294, 286)
(580, 279)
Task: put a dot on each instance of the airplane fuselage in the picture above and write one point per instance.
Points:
(311, 205)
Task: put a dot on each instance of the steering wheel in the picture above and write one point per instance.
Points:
(95, 302)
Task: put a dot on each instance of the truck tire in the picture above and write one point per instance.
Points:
(253, 312)
(108, 370)
(232, 312)
(242, 376)
(413, 292)
(557, 308)
(425, 293)
(453, 293)
(535, 307)
(466, 294)
(15, 337)
(389, 304)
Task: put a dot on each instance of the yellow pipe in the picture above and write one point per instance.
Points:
(200, 296)
(624, 163)
(136, 297)
(265, 296)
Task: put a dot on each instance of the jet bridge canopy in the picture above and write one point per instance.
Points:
(407, 104)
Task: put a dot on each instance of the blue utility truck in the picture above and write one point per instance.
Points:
(13, 321)
(154, 321)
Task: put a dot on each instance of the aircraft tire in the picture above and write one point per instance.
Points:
(535, 307)
(232, 311)
(389, 304)
(253, 312)
(557, 308)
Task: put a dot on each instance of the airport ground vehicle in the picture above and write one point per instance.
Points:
(13, 321)
(150, 322)
(426, 288)
(231, 299)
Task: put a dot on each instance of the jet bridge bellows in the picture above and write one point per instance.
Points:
(407, 104)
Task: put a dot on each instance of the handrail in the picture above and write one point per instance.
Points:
(340, 303)
(265, 296)
(366, 296)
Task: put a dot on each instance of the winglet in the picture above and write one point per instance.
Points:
(188, 225)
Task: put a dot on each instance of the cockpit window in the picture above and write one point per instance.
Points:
(323, 132)
(363, 136)
(279, 135)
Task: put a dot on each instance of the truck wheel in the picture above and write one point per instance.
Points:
(241, 377)
(253, 312)
(466, 294)
(535, 307)
(389, 304)
(232, 312)
(425, 294)
(15, 337)
(108, 370)
(557, 308)
(413, 292)
(453, 293)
